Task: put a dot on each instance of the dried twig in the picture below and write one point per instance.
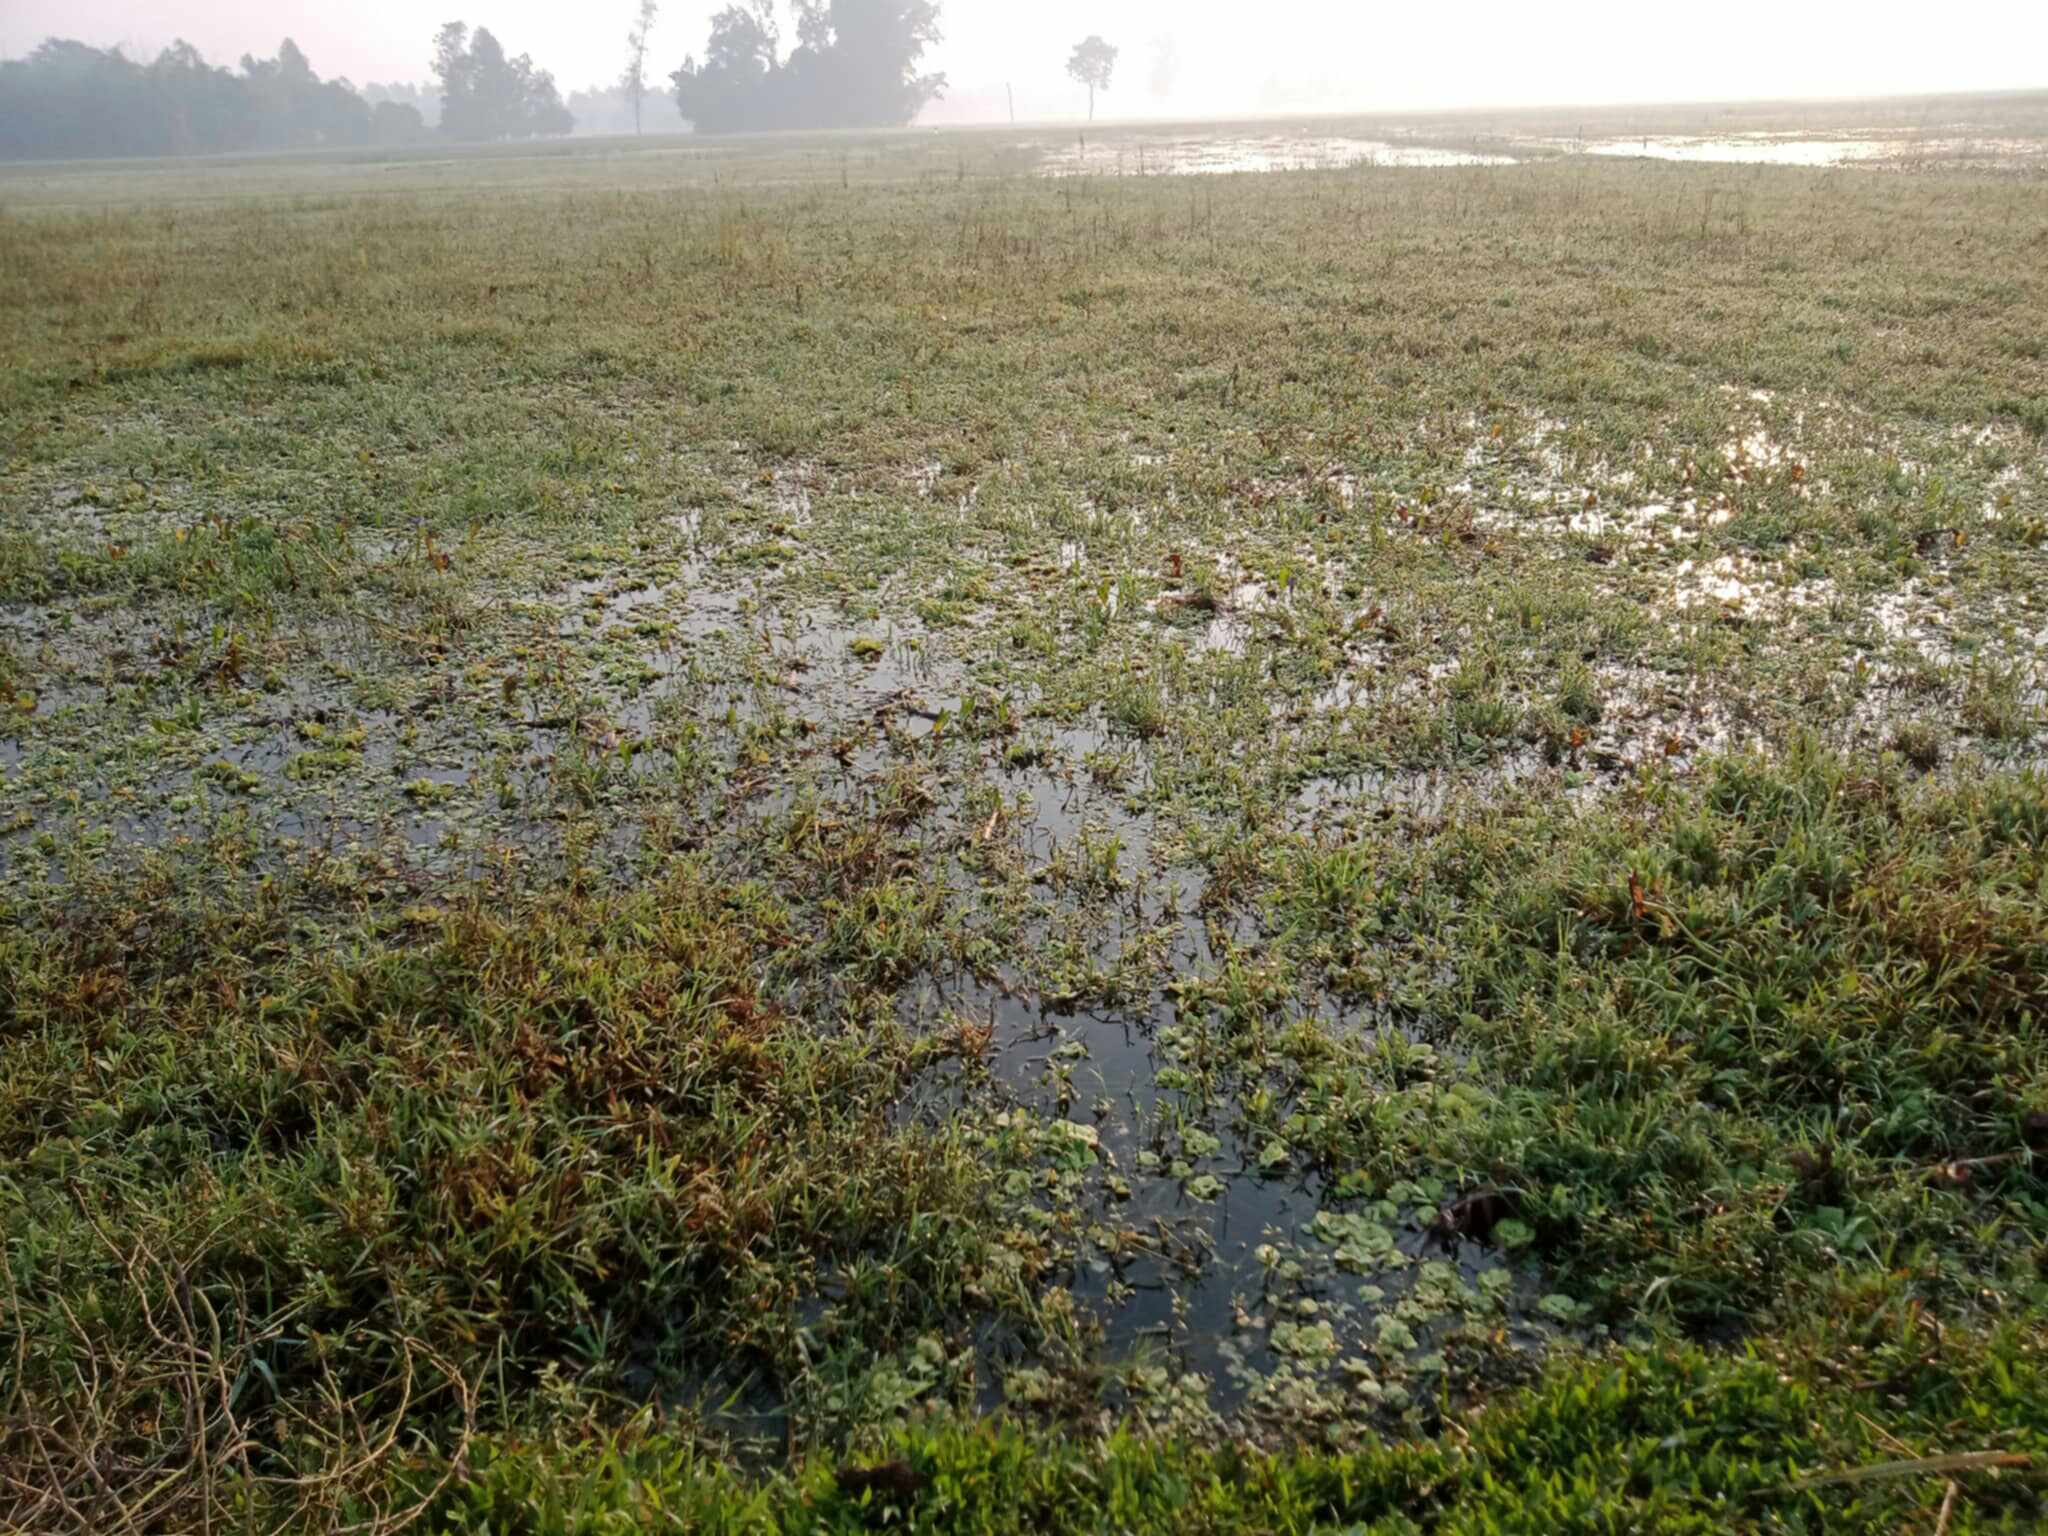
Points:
(1948, 1505)
(1962, 1461)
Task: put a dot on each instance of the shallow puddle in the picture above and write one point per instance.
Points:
(1204, 1243)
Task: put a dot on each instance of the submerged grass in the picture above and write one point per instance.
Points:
(783, 839)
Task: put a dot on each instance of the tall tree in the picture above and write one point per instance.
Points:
(455, 68)
(857, 60)
(487, 95)
(854, 65)
(1092, 63)
(634, 81)
(739, 85)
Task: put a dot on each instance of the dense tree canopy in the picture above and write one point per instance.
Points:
(854, 66)
(69, 100)
(487, 95)
(423, 99)
(295, 108)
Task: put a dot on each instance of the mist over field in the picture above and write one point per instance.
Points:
(1187, 60)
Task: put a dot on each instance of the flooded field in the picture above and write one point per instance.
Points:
(1134, 154)
(762, 802)
(1755, 150)
(1886, 151)
(1132, 151)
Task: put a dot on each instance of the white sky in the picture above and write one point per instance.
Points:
(1273, 55)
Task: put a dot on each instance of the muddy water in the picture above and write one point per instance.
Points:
(1201, 1246)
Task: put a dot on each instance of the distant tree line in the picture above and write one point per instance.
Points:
(854, 66)
(68, 100)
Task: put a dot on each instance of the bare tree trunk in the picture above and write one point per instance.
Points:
(1091, 103)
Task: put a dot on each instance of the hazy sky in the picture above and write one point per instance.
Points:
(1192, 57)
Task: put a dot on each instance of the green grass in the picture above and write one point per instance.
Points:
(1349, 850)
(1672, 1441)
